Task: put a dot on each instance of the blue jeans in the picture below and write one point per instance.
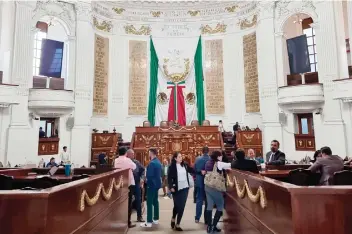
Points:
(138, 199)
(200, 198)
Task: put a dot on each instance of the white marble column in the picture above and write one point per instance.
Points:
(7, 27)
(267, 76)
(349, 19)
(282, 64)
(71, 56)
(84, 64)
(332, 64)
(117, 82)
(22, 142)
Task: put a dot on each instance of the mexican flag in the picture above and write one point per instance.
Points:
(176, 95)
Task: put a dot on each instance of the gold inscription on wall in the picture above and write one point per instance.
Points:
(251, 73)
(137, 102)
(101, 76)
(214, 77)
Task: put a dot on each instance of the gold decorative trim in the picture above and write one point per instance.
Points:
(177, 77)
(100, 190)
(105, 26)
(194, 13)
(232, 9)
(220, 28)
(177, 129)
(143, 30)
(156, 14)
(241, 192)
(248, 24)
(118, 11)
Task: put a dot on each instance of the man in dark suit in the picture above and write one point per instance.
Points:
(244, 164)
(236, 127)
(327, 164)
(275, 156)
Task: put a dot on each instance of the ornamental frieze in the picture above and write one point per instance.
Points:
(220, 28)
(143, 30)
(103, 25)
(248, 23)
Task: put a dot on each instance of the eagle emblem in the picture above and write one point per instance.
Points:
(104, 140)
(249, 137)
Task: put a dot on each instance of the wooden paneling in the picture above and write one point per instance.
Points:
(189, 140)
(106, 143)
(57, 210)
(289, 209)
(305, 142)
(48, 146)
(251, 139)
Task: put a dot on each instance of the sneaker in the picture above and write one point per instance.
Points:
(146, 225)
(155, 221)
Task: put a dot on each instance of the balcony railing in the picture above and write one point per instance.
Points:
(307, 78)
(40, 82)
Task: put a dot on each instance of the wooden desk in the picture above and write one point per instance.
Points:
(189, 140)
(282, 208)
(66, 209)
(275, 173)
(48, 146)
(61, 178)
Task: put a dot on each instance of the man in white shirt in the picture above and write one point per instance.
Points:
(123, 162)
(221, 130)
(64, 155)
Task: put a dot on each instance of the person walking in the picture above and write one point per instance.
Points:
(214, 188)
(138, 175)
(165, 168)
(153, 177)
(199, 168)
(124, 162)
(179, 182)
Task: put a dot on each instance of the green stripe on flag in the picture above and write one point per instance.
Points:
(154, 66)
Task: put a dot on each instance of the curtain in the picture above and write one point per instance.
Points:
(298, 55)
(198, 67)
(154, 66)
(51, 58)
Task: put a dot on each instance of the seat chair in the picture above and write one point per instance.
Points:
(299, 177)
(342, 178)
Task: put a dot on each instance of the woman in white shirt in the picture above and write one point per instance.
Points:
(214, 196)
(179, 184)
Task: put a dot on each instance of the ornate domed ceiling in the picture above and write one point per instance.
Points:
(173, 11)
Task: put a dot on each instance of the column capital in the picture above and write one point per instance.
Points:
(29, 4)
(266, 9)
(70, 39)
(83, 11)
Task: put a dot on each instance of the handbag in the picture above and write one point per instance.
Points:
(215, 180)
(190, 181)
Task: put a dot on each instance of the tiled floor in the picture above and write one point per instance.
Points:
(241, 225)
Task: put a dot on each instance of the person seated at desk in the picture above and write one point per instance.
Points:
(251, 156)
(244, 164)
(102, 159)
(317, 155)
(275, 156)
(52, 163)
(328, 164)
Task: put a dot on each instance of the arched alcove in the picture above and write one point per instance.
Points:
(297, 25)
(52, 28)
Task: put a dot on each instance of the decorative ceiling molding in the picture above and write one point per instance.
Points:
(220, 28)
(172, 11)
(143, 30)
(156, 13)
(246, 23)
(232, 8)
(118, 11)
(104, 25)
(194, 13)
